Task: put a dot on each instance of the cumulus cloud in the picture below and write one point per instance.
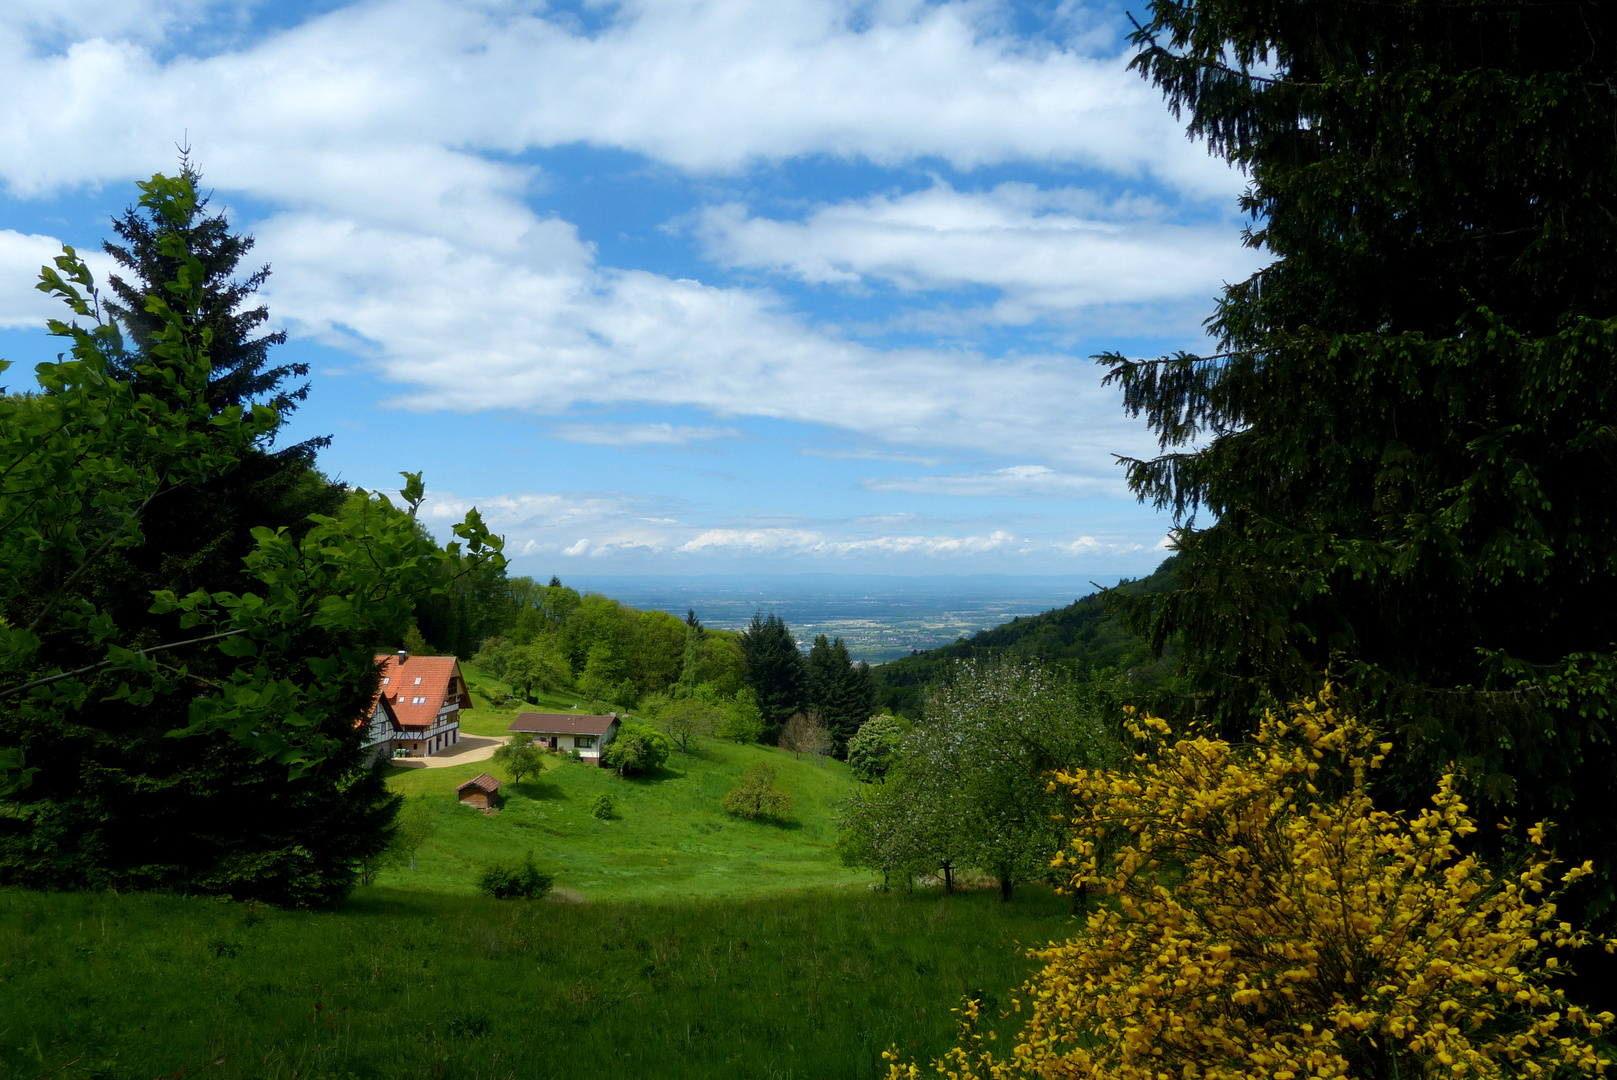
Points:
(1046, 251)
(703, 85)
(385, 137)
(539, 327)
(608, 527)
(1016, 480)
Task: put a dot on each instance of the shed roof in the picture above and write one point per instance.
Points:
(399, 686)
(482, 781)
(541, 723)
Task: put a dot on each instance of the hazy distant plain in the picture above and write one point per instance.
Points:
(881, 617)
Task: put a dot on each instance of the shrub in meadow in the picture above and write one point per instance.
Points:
(1266, 920)
(756, 796)
(514, 881)
(601, 806)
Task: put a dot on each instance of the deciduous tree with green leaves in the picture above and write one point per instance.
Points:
(519, 757)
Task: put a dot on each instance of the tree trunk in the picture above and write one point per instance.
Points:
(1005, 888)
(948, 878)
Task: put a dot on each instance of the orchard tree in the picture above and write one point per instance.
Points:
(969, 786)
(757, 796)
(519, 757)
(686, 719)
(1398, 462)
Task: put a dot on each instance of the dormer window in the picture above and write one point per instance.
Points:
(418, 680)
(418, 701)
(386, 681)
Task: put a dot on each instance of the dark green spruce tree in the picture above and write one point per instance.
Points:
(1398, 468)
(842, 691)
(242, 371)
(775, 670)
(118, 802)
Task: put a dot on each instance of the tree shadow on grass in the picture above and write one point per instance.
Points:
(766, 822)
(660, 774)
(539, 790)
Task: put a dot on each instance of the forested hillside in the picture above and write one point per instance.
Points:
(1082, 637)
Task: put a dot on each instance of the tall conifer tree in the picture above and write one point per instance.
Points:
(1400, 464)
(775, 670)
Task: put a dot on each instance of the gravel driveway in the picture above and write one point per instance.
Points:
(470, 748)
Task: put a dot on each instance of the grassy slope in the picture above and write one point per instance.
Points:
(668, 839)
(429, 985)
(487, 719)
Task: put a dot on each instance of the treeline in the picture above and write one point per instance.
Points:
(543, 638)
(1087, 639)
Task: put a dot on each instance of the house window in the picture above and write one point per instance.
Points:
(583, 742)
(418, 680)
(452, 686)
(386, 681)
(418, 701)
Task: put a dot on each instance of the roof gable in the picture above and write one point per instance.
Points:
(418, 687)
(482, 781)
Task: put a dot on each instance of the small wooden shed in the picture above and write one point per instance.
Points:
(479, 792)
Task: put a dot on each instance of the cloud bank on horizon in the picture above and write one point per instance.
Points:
(671, 283)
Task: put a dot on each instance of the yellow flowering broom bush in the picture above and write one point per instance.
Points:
(1263, 919)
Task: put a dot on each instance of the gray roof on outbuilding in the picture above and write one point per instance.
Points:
(540, 723)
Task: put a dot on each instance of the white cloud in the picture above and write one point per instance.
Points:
(703, 85)
(21, 256)
(381, 135)
(1017, 480)
(609, 434)
(537, 327)
(610, 527)
(1048, 252)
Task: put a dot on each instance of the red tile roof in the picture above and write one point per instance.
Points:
(402, 690)
(483, 781)
(538, 723)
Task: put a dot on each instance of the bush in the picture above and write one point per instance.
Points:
(1270, 921)
(871, 750)
(637, 749)
(601, 806)
(743, 721)
(757, 797)
(511, 881)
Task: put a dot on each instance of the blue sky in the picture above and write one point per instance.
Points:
(669, 286)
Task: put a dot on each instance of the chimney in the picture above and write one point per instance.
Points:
(403, 656)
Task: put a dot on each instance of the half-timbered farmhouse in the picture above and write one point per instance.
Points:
(425, 695)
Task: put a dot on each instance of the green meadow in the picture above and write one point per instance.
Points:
(667, 838)
(419, 984)
(679, 942)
